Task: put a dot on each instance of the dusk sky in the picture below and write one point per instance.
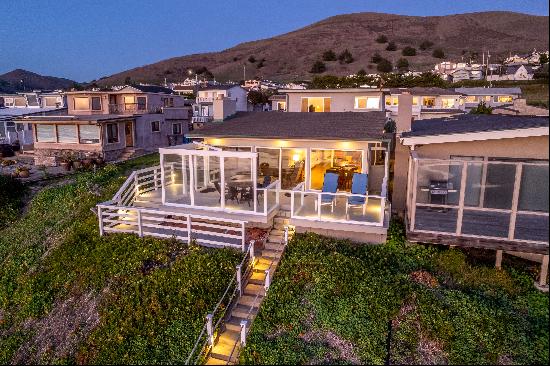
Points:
(85, 40)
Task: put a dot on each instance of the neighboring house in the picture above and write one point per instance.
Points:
(427, 102)
(255, 166)
(334, 100)
(493, 97)
(278, 102)
(111, 124)
(475, 181)
(203, 109)
(184, 89)
(515, 72)
(520, 107)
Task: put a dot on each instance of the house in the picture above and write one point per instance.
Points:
(427, 102)
(256, 166)
(513, 72)
(203, 109)
(474, 180)
(111, 124)
(334, 100)
(278, 102)
(493, 97)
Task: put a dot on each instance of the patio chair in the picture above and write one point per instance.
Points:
(232, 193)
(247, 195)
(330, 185)
(359, 184)
(266, 182)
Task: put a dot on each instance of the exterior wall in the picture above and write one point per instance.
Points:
(224, 108)
(521, 147)
(340, 101)
(423, 112)
(236, 93)
(154, 102)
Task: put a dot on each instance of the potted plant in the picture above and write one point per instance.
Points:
(23, 172)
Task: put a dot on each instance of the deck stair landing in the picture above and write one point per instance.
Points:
(245, 307)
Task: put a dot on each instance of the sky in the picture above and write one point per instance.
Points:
(87, 39)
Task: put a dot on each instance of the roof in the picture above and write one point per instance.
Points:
(425, 91)
(510, 70)
(299, 125)
(277, 97)
(72, 118)
(489, 91)
(473, 123)
(220, 87)
(334, 90)
(21, 111)
(152, 89)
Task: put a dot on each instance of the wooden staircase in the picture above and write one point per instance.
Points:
(130, 152)
(227, 346)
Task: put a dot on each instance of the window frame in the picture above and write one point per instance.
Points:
(92, 103)
(108, 129)
(366, 98)
(53, 140)
(178, 124)
(74, 103)
(153, 123)
(324, 104)
(82, 141)
(57, 126)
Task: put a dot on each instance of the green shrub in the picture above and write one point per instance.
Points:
(11, 198)
(318, 67)
(329, 55)
(482, 108)
(345, 57)
(381, 39)
(384, 66)
(403, 64)
(376, 58)
(426, 45)
(409, 51)
(391, 46)
(438, 53)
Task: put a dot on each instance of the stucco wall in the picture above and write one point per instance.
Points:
(340, 102)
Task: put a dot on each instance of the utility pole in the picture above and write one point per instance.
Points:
(244, 73)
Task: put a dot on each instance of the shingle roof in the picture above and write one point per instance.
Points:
(299, 125)
(277, 97)
(489, 91)
(427, 91)
(219, 87)
(473, 123)
(510, 70)
(153, 89)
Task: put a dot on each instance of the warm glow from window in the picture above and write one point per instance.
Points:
(315, 104)
(415, 100)
(281, 106)
(129, 99)
(392, 100)
(447, 102)
(505, 99)
(487, 98)
(81, 103)
(428, 101)
(367, 102)
(471, 99)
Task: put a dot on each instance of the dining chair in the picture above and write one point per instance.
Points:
(359, 184)
(330, 185)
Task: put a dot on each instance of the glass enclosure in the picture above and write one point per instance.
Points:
(341, 162)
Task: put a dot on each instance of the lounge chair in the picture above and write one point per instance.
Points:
(330, 185)
(359, 184)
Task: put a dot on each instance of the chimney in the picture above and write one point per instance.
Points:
(224, 107)
(404, 112)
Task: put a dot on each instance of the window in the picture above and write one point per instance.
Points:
(51, 102)
(20, 127)
(281, 106)
(141, 103)
(415, 100)
(112, 133)
(96, 103)
(81, 104)
(471, 99)
(89, 134)
(447, 102)
(2, 131)
(176, 128)
(8, 102)
(45, 133)
(344, 163)
(20, 102)
(155, 126)
(10, 126)
(392, 100)
(129, 102)
(504, 99)
(428, 102)
(315, 104)
(168, 102)
(487, 98)
(66, 134)
(367, 102)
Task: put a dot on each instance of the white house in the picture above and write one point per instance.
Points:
(516, 73)
(203, 109)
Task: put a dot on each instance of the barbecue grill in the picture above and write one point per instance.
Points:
(439, 190)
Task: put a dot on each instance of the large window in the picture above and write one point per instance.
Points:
(390, 100)
(155, 126)
(51, 102)
(471, 99)
(447, 103)
(281, 106)
(176, 128)
(315, 104)
(343, 163)
(504, 99)
(96, 103)
(45, 133)
(81, 104)
(89, 134)
(428, 102)
(367, 102)
(20, 102)
(67, 134)
(141, 103)
(112, 133)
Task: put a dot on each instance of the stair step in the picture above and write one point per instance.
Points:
(273, 247)
(247, 300)
(264, 264)
(271, 254)
(281, 220)
(283, 214)
(242, 311)
(277, 232)
(275, 239)
(216, 361)
(253, 289)
(257, 278)
(234, 324)
(229, 337)
(225, 358)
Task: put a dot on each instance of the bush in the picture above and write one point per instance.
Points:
(345, 57)
(403, 64)
(318, 67)
(426, 45)
(408, 51)
(391, 46)
(481, 108)
(438, 53)
(361, 72)
(261, 63)
(329, 55)
(382, 39)
(252, 59)
(376, 58)
(384, 66)
(11, 195)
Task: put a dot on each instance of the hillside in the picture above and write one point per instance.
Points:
(291, 55)
(10, 82)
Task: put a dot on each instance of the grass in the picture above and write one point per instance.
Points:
(11, 199)
(68, 295)
(333, 301)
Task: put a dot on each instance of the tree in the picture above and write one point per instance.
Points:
(345, 57)
(329, 55)
(390, 126)
(481, 108)
(128, 80)
(258, 97)
(409, 51)
(261, 63)
(403, 64)
(251, 59)
(382, 39)
(438, 53)
(384, 66)
(318, 67)
(543, 58)
(376, 58)
(361, 72)
(391, 46)
(426, 45)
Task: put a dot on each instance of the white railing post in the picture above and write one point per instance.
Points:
(243, 237)
(188, 229)
(286, 235)
(292, 203)
(265, 201)
(140, 228)
(319, 205)
(267, 279)
(155, 179)
(515, 200)
(209, 329)
(252, 255)
(239, 280)
(278, 191)
(100, 215)
(382, 210)
(243, 332)
(136, 184)
(460, 213)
